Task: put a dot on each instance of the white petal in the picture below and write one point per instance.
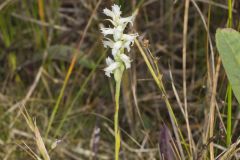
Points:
(116, 47)
(129, 37)
(126, 60)
(107, 31)
(108, 12)
(110, 69)
(114, 52)
(128, 40)
(107, 74)
(108, 43)
(127, 20)
(116, 10)
(114, 23)
(127, 45)
(118, 33)
(109, 61)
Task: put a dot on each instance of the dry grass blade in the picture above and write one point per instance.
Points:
(38, 138)
(40, 144)
(29, 151)
(4, 4)
(229, 153)
(184, 58)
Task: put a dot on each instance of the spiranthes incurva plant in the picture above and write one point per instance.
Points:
(119, 42)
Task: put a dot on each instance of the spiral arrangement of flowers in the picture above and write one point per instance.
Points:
(119, 41)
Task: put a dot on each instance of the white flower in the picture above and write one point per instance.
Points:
(127, 20)
(117, 32)
(126, 60)
(128, 40)
(115, 46)
(108, 43)
(125, 42)
(111, 66)
(109, 61)
(115, 14)
(107, 31)
(116, 10)
(129, 37)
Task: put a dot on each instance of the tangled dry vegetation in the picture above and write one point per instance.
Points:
(56, 102)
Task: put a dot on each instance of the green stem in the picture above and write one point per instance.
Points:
(229, 88)
(116, 127)
(230, 13)
(229, 114)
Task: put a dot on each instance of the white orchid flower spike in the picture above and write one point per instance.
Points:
(118, 42)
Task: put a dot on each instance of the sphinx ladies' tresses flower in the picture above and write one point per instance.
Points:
(112, 66)
(128, 40)
(125, 42)
(115, 46)
(118, 41)
(116, 32)
(115, 14)
(126, 60)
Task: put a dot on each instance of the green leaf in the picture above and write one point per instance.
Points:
(65, 53)
(228, 45)
(62, 53)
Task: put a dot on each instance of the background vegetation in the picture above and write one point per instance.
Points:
(55, 100)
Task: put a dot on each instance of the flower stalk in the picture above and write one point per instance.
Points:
(116, 127)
